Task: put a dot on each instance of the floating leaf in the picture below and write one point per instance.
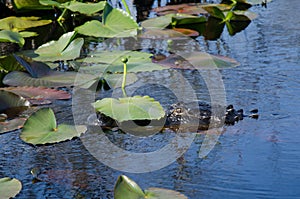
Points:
(11, 125)
(76, 6)
(184, 19)
(84, 8)
(53, 79)
(29, 5)
(159, 193)
(27, 34)
(158, 22)
(256, 2)
(9, 187)
(41, 128)
(62, 49)
(187, 32)
(10, 36)
(110, 61)
(162, 34)
(193, 9)
(30, 92)
(130, 108)
(21, 23)
(126, 188)
(237, 4)
(198, 60)
(115, 23)
(11, 103)
(214, 11)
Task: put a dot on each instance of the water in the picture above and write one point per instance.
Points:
(254, 159)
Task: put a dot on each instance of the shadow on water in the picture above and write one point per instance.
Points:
(254, 159)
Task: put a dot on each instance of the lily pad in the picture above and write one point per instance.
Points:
(185, 19)
(256, 2)
(30, 92)
(162, 34)
(193, 9)
(115, 23)
(41, 128)
(76, 6)
(198, 60)
(9, 187)
(53, 79)
(126, 188)
(160, 22)
(11, 125)
(17, 24)
(11, 103)
(110, 61)
(62, 49)
(130, 108)
(42, 75)
(10, 36)
(187, 32)
(159, 193)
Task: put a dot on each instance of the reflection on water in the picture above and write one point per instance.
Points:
(254, 159)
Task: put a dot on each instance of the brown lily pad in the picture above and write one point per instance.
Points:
(38, 93)
(187, 32)
(11, 125)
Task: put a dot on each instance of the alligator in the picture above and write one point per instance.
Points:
(178, 114)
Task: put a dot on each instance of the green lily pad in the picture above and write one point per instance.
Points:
(115, 23)
(214, 11)
(130, 108)
(53, 79)
(41, 128)
(76, 6)
(10, 36)
(198, 60)
(159, 193)
(110, 61)
(9, 187)
(160, 22)
(126, 188)
(27, 34)
(84, 8)
(21, 23)
(62, 49)
(185, 19)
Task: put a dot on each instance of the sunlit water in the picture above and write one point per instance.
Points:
(254, 159)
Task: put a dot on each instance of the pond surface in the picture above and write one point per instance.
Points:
(254, 158)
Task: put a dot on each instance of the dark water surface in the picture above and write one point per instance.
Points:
(254, 158)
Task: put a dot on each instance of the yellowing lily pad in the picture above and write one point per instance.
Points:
(41, 128)
(21, 23)
(9, 187)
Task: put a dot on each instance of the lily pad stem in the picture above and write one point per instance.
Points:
(61, 17)
(126, 7)
(124, 79)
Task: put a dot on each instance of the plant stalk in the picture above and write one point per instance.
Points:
(126, 7)
(124, 79)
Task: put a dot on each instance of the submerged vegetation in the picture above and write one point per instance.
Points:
(32, 77)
